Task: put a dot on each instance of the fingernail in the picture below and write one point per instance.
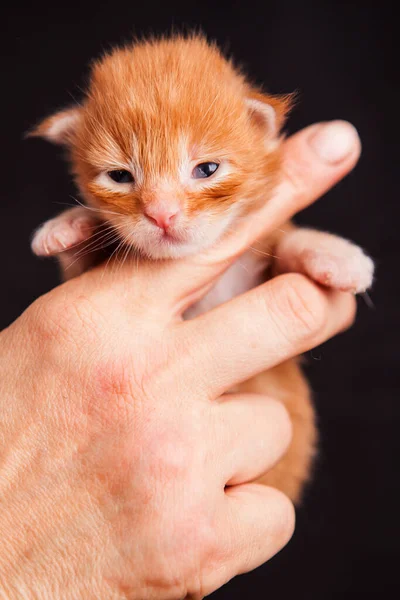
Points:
(334, 141)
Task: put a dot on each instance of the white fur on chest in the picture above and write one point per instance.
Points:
(243, 275)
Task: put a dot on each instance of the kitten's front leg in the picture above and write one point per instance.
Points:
(325, 258)
(64, 237)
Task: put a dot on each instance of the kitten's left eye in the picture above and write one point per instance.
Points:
(204, 170)
(120, 176)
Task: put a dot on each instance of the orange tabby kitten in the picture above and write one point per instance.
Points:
(169, 147)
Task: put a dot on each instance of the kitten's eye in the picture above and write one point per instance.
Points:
(120, 176)
(204, 170)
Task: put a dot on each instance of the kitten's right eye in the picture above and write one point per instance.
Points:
(120, 176)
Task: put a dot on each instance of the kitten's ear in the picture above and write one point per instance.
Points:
(269, 112)
(58, 128)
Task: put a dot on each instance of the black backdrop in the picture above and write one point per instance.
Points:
(340, 58)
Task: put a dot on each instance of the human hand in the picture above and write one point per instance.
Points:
(125, 471)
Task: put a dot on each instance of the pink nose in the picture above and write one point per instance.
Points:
(162, 217)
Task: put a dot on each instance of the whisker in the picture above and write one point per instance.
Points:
(127, 252)
(125, 255)
(262, 253)
(117, 262)
(121, 262)
(253, 249)
(98, 210)
(101, 237)
(103, 244)
(90, 251)
(96, 235)
(242, 266)
(112, 254)
(95, 238)
(108, 235)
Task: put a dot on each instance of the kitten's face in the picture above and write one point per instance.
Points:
(168, 146)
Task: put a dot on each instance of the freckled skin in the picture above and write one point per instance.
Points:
(157, 109)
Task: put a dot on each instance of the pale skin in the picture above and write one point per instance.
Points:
(125, 470)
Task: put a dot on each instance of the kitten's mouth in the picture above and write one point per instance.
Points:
(172, 237)
(172, 244)
(168, 242)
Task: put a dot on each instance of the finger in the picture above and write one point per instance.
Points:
(253, 432)
(314, 160)
(312, 164)
(257, 330)
(257, 522)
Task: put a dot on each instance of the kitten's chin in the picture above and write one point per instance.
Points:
(167, 249)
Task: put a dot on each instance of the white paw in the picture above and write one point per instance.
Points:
(65, 231)
(343, 267)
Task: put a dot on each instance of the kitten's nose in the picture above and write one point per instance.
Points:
(162, 217)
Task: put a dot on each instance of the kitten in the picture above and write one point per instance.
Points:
(170, 146)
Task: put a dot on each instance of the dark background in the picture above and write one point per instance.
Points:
(340, 58)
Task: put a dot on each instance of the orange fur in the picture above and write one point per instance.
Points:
(158, 107)
(155, 105)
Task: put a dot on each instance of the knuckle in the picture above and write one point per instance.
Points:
(190, 544)
(172, 455)
(208, 557)
(165, 578)
(302, 307)
(61, 317)
(175, 448)
(47, 322)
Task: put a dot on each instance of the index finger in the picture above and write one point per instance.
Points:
(260, 329)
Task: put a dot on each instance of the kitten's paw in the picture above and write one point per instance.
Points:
(62, 233)
(345, 267)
